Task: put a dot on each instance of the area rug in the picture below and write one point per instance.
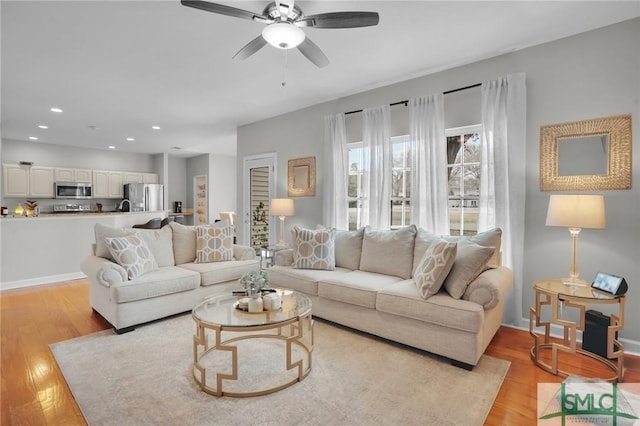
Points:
(145, 378)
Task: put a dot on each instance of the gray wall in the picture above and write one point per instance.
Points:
(177, 181)
(595, 74)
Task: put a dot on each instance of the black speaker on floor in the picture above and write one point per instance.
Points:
(594, 337)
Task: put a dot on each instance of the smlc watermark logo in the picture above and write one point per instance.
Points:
(577, 401)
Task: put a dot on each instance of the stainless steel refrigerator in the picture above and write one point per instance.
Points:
(145, 197)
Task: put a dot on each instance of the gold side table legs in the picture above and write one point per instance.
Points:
(542, 340)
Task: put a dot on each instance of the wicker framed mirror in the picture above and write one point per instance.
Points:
(586, 155)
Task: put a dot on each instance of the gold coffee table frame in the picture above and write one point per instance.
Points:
(296, 329)
(552, 292)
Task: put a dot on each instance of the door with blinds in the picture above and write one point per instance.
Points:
(259, 185)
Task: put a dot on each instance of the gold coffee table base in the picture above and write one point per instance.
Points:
(300, 333)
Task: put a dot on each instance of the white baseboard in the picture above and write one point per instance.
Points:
(8, 285)
(631, 347)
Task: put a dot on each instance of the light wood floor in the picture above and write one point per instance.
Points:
(34, 391)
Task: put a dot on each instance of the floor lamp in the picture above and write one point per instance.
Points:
(576, 212)
(282, 207)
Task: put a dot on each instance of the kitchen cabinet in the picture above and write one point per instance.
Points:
(28, 181)
(135, 177)
(107, 184)
(73, 175)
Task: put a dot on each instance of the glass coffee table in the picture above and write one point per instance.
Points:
(242, 354)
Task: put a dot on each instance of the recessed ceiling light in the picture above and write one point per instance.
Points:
(130, 139)
(94, 127)
(33, 138)
(42, 126)
(176, 147)
(155, 127)
(111, 147)
(55, 109)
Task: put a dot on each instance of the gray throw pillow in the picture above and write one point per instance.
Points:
(389, 252)
(470, 262)
(349, 248)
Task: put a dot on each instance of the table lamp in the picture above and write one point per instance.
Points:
(576, 212)
(282, 207)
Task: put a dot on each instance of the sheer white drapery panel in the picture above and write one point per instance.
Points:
(335, 207)
(429, 182)
(502, 176)
(376, 175)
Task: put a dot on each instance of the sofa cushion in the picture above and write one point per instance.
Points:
(218, 272)
(214, 243)
(133, 254)
(313, 249)
(490, 238)
(404, 300)
(160, 242)
(349, 248)
(388, 252)
(104, 231)
(470, 262)
(304, 280)
(483, 289)
(167, 280)
(184, 243)
(423, 240)
(434, 267)
(355, 287)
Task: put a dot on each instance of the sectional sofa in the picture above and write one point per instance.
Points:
(175, 281)
(376, 283)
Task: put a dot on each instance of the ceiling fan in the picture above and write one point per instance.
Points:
(283, 20)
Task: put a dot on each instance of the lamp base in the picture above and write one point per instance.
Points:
(575, 282)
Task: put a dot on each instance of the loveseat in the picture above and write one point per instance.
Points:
(140, 275)
(441, 294)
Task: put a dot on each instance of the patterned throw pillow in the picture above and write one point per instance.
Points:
(434, 267)
(133, 254)
(313, 249)
(214, 244)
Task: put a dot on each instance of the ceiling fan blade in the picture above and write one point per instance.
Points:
(221, 9)
(313, 53)
(250, 48)
(340, 20)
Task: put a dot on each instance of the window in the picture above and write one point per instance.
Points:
(400, 182)
(463, 158)
(463, 166)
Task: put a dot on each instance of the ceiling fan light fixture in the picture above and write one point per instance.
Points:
(283, 35)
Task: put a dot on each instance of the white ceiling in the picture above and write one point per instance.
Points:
(124, 66)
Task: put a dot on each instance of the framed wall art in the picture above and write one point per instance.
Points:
(302, 177)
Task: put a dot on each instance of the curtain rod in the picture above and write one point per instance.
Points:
(405, 103)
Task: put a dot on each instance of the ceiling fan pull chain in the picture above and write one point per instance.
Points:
(284, 69)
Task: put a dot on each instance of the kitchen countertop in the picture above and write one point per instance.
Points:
(49, 215)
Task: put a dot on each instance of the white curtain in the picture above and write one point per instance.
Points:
(429, 181)
(502, 176)
(376, 167)
(335, 210)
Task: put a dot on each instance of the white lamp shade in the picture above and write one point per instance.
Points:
(282, 207)
(576, 211)
(283, 35)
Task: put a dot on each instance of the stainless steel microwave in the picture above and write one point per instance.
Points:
(77, 190)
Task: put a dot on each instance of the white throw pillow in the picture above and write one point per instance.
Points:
(434, 267)
(184, 243)
(160, 242)
(470, 262)
(104, 231)
(214, 243)
(313, 249)
(349, 248)
(133, 254)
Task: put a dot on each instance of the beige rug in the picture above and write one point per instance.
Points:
(145, 378)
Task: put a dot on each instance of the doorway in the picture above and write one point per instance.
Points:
(259, 183)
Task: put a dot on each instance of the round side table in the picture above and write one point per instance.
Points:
(552, 293)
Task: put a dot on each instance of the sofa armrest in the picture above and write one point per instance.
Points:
(103, 271)
(489, 287)
(284, 257)
(243, 252)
